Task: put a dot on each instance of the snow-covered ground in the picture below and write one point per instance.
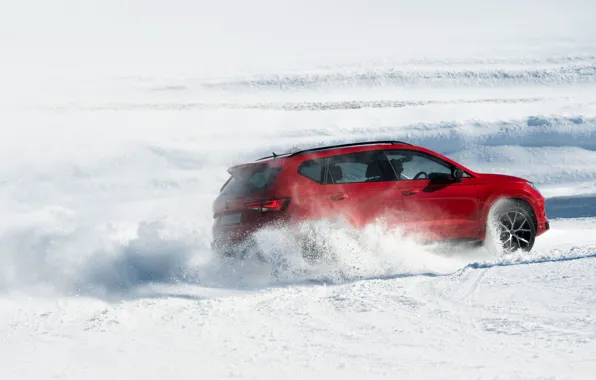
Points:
(110, 158)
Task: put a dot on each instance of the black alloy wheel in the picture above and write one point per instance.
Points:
(515, 228)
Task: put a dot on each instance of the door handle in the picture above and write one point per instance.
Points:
(409, 192)
(339, 197)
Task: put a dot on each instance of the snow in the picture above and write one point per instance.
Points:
(115, 141)
(519, 320)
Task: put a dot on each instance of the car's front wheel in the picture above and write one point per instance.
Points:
(512, 226)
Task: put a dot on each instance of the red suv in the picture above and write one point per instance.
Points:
(410, 187)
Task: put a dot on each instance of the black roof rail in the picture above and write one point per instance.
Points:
(275, 155)
(348, 145)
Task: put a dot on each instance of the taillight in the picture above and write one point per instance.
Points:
(268, 205)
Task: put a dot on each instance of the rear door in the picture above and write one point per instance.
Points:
(307, 190)
(360, 188)
(434, 205)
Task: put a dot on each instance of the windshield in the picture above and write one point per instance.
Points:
(250, 180)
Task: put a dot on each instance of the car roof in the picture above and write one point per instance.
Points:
(342, 147)
(335, 148)
(319, 151)
(328, 150)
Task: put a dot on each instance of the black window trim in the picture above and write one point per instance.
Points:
(226, 183)
(323, 174)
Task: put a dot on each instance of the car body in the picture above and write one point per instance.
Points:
(416, 189)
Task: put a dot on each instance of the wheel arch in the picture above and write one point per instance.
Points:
(524, 201)
(527, 205)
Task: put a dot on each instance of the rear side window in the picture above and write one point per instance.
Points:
(356, 168)
(313, 169)
(250, 180)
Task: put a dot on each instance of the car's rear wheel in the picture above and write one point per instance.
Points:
(513, 226)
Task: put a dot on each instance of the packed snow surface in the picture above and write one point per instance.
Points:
(115, 141)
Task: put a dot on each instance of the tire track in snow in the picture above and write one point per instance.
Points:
(443, 294)
(285, 106)
(584, 72)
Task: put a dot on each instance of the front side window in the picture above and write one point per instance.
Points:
(356, 168)
(411, 165)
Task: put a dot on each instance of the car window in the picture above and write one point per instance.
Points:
(411, 165)
(313, 169)
(355, 168)
(251, 179)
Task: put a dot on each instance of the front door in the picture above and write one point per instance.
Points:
(435, 206)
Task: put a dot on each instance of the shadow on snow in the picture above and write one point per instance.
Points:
(579, 206)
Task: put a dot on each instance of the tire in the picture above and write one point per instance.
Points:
(242, 250)
(313, 245)
(314, 240)
(511, 225)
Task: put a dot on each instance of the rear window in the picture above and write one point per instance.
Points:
(250, 180)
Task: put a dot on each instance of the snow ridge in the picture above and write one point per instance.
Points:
(419, 76)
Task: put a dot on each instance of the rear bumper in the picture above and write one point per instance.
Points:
(225, 240)
(239, 237)
(231, 248)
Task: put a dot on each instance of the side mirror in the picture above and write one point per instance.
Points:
(458, 174)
